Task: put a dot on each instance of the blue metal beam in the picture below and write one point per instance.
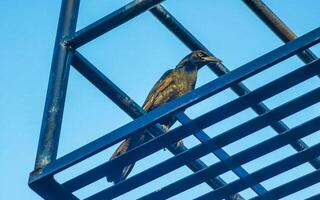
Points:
(222, 155)
(295, 185)
(192, 43)
(48, 188)
(56, 93)
(277, 26)
(109, 22)
(42, 181)
(106, 86)
(187, 100)
(314, 197)
(196, 152)
(267, 172)
(244, 157)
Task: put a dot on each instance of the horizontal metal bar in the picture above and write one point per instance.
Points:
(100, 81)
(248, 154)
(277, 26)
(183, 102)
(314, 197)
(222, 155)
(239, 88)
(106, 86)
(295, 185)
(49, 189)
(109, 22)
(266, 172)
(93, 173)
(200, 150)
(278, 85)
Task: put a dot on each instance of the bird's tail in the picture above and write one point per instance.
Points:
(122, 172)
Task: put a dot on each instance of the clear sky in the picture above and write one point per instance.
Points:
(134, 56)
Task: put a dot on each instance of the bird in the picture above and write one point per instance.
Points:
(172, 84)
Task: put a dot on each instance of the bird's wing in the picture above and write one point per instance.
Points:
(162, 84)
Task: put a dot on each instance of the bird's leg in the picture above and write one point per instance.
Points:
(179, 143)
(166, 128)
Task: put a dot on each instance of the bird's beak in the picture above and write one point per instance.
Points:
(210, 59)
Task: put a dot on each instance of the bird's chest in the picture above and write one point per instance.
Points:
(184, 83)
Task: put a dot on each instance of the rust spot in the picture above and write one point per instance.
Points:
(158, 190)
(53, 109)
(126, 101)
(36, 172)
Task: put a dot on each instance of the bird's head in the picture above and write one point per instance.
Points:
(196, 59)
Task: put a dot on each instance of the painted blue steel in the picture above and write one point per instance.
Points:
(48, 188)
(277, 26)
(222, 155)
(240, 89)
(267, 172)
(159, 170)
(109, 22)
(184, 35)
(53, 111)
(200, 150)
(106, 86)
(244, 157)
(131, 108)
(314, 197)
(295, 185)
(42, 181)
(187, 100)
(283, 83)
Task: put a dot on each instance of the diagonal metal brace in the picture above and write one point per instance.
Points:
(240, 89)
(106, 86)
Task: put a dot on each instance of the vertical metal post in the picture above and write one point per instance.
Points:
(56, 93)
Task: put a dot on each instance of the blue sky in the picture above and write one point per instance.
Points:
(134, 56)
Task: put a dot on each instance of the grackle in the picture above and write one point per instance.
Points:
(173, 84)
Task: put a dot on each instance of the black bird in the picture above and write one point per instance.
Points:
(173, 83)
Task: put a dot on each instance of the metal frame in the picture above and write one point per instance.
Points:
(68, 40)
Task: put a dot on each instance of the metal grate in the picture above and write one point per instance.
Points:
(65, 54)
